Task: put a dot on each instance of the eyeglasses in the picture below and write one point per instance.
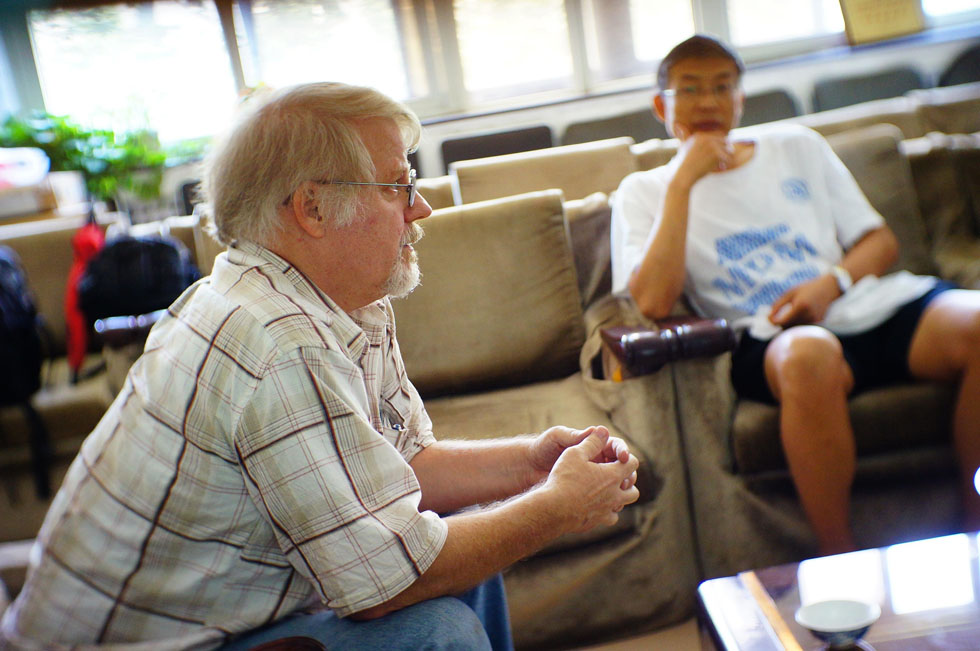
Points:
(723, 91)
(411, 185)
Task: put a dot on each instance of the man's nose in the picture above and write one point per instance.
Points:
(707, 97)
(419, 210)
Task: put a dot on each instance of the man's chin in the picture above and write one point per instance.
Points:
(404, 281)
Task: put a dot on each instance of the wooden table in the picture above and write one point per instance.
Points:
(929, 593)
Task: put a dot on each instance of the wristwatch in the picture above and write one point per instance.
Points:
(843, 278)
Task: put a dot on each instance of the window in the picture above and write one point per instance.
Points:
(512, 47)
(947, 7)
(362, 42)
(754, 22)
(658, 26)
(125, 67)
(176, 66)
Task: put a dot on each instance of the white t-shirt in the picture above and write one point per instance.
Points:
(784, 217)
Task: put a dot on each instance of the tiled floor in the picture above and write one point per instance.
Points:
(682, 637)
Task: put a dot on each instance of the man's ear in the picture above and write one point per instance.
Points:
(659, 110)
(305, 208)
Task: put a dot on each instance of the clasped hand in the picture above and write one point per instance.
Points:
(592, 471)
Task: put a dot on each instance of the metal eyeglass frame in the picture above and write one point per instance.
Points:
(411, 185)
(718, 92)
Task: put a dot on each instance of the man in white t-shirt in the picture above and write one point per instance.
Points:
(774, 234)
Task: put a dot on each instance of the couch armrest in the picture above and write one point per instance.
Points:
(119, 331)
(629, 351)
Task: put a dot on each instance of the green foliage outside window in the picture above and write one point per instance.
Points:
(131, 162)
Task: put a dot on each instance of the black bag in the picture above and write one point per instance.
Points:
(135, 275)
(20, 327)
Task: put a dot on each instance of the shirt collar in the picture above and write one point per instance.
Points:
(357, 329)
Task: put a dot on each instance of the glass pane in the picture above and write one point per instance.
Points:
(944, 7)
(659, 25)
(286, 42)
(161, 65)
(766, 21)
(513, 46)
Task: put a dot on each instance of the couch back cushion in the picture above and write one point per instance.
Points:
(46, 254)
(950, 109)
(588, 226)
(179, 227)
(437, 190)
(899, 111)
(499, 302)
(654, 152)
(872, 155)
(576, 170)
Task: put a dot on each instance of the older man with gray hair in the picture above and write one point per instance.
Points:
(268, 470)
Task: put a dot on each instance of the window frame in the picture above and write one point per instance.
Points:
(434, 22)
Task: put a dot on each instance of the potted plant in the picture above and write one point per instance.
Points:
(113, 167)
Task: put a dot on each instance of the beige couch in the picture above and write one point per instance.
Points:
(927, 185)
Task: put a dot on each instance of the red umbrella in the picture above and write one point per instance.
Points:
(86, 243)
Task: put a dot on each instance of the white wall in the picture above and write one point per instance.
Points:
(928, 56)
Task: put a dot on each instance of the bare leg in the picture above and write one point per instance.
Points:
(946, 347)
(811, 380)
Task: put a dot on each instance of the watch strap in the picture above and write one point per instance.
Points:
(843, 277)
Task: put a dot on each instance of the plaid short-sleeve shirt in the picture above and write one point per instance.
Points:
(255, 462)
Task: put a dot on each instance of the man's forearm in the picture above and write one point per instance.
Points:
(590, 482)
(873, 254)
(658, 281)
(457, 474)
(480, 544)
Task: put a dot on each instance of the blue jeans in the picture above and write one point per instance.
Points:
(476, 619)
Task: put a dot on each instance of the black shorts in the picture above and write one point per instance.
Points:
(877, 357)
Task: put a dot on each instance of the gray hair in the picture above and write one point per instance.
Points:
(302, 133)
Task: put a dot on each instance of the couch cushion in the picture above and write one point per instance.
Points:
(576, 170)
(872, 155)
(654, 153)
(499, 301)
(46, 253)
(528, 409)
(69, 410)
(951, 109)
(588, 225)
(887, 422)
(437, 190)
(899, 111)
(946, 171)
(179, 227)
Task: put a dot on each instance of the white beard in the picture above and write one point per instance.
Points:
(405, 274)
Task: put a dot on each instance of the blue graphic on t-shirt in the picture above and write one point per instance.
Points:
(748, 258)
(737, 246)
(796, 189)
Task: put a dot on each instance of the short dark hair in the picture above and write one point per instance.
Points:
(698, 46)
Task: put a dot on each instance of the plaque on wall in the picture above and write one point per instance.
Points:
(876, 20)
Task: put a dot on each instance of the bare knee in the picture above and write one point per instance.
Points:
(947, 340)
(970, 343)
(807, 361)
